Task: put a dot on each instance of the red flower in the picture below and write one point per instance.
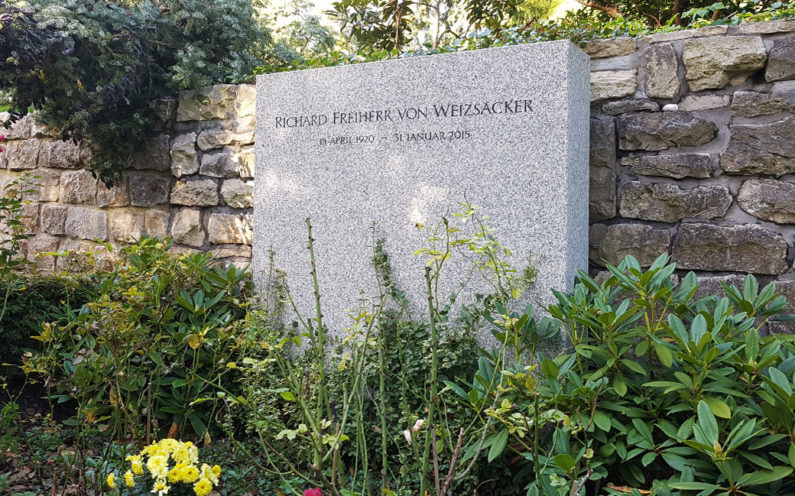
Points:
(313, 492)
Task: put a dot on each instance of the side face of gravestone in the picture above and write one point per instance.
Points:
(403, 142)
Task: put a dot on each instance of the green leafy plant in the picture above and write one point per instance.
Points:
(149, 352)
(33, 299)
(660, 392)
(377, 409)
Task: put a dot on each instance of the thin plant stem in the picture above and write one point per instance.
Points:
(320, 344)
(434, 385)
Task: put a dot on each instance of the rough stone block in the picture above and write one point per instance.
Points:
(117, 195)
(59, 154)
(686, 34)
(219, 164)
(230, 229)
(78, 186)
(232, 251)
(692, 103)
(246, 100)
(612, 47)
(661, 66)
(767, 27)
(767, 148)
(247, 163)
(602, 198)
(743, 248)
(714, 62)
(612, 243)
(677, 166)
(243, 138)
(711, 285)
(212, 140)
(126, 226)
(49, 185)
(156, 222)
(627, 106)
(148, 191)
(237, 193)
(29, 215)
(86, 223)
(200, 192)
(53, 218)
(166, 111)
(245, 124)
(186, 229)
(613, 84)
(753, 104)
(39, 245)
(670, 203)
(768, 199)
(155, 155)
(660, 130)
(215, 102)
(22, 155)
(20, 130)
(183, 155)
(781, 61)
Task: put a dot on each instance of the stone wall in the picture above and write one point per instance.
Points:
(193, 183)
(693, 153)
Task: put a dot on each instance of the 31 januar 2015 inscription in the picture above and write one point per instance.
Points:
(441, 111)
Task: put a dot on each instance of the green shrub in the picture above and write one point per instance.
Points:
(148, 353)
(660, 391)
(31, 301)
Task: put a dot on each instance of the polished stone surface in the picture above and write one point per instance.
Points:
(369, 144)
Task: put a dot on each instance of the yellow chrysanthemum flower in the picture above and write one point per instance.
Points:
(217, 470)
(190, 474)
(111, 480)
(174, 475)
(128, 479)
(135, 464)
(158, 466)
(193, 454)
(203, 487)
(160, 487)
(207, 473)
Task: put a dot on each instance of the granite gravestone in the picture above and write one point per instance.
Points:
(403, 142)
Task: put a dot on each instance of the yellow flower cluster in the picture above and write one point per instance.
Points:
(157, 458)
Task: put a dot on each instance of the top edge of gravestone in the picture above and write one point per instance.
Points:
(562, 45)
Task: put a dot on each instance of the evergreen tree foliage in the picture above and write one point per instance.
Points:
(94, 69)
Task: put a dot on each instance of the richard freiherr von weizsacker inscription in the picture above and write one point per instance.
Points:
(416, 113)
